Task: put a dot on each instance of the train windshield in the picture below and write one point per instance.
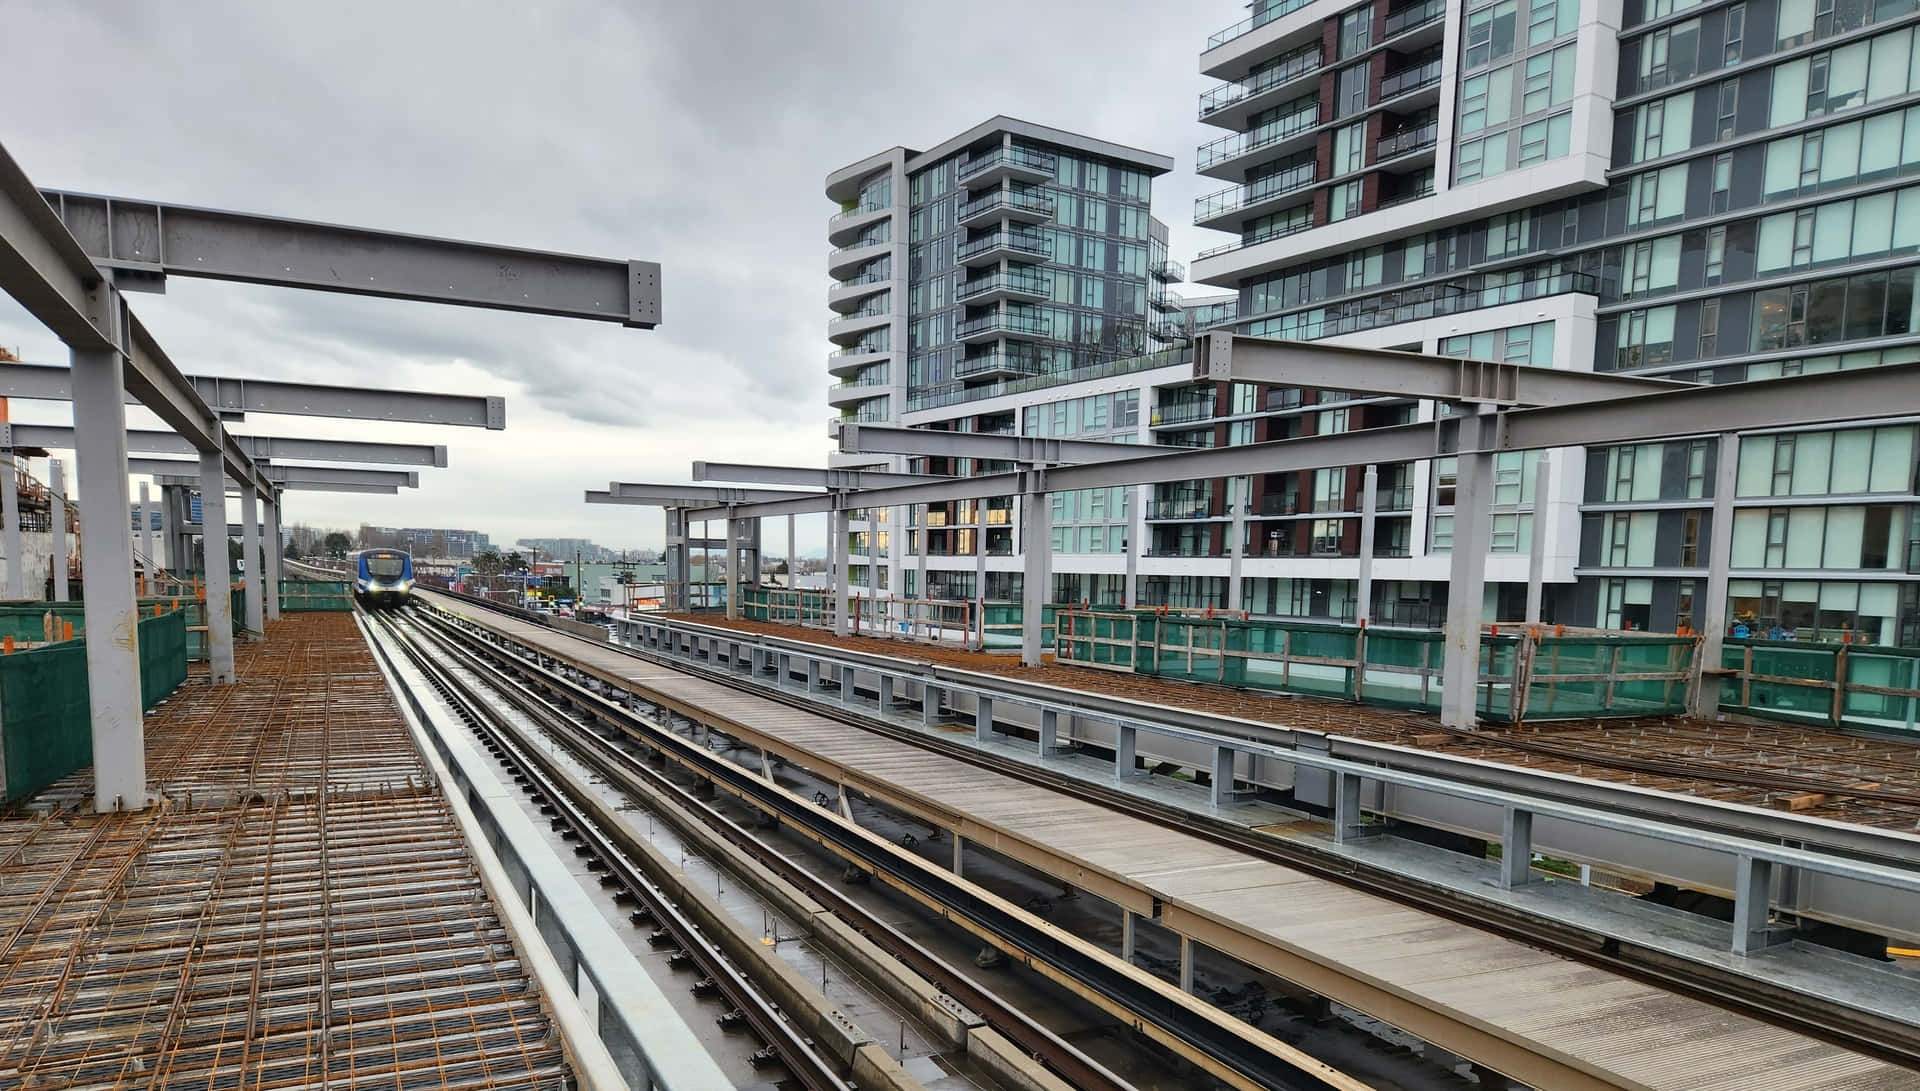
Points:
(385, 565)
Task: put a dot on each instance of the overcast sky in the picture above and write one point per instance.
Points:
(697, 135)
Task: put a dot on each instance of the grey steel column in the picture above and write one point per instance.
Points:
(751, 546)
(733, 568)
(920, 554)
(1713, 625)
(1467, 581)
(112, 613)
(1236, 548)
(1537, 562)
(10, 518)
(213, 549)
(57, 483)
(149, 555)
(792, 571)
(1036, 514)
(675, 591)
(873, 564)
(271, 547)
(250, 556)
(169, 549)
(842, 576)
(1369, 508)
(1136, 541)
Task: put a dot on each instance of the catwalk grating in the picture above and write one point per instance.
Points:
(300, 910)
(1783, 766)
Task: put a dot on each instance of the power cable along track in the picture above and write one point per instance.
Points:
(601, 666)
(1230, 1050)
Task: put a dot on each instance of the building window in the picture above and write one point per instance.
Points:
(1709, 329)
(1663, 128)
(1646, 338)
(1849, 461)
(1736, 31)
(1722, 196)
(1356, 31)
(1343, 201)
(1657, 195)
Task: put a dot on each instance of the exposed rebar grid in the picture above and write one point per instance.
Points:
(301, 911)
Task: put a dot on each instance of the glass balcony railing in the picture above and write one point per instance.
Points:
(998, 363)
(1256, 239)
(1028, 283)
(1185, 507)
(1022, 200)
(1393, 498)
(1169, 270)
(1239, 144)
(1274, 185)
(1456, 301)
(1410, 79)
(859, 244)
(1410, 141)
(854, 214)
(1016, 156)
(1291, 67)
(1183, 412)
(1401, 20)
(1254, 22)
(1023, 242)
(1008, 322)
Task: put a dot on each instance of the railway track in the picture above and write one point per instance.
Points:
(1233, 1053)
(1895, 1043)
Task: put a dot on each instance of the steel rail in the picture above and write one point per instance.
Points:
(1221, 1041)
(1699, 981)
(786, 1042)
(619, 766)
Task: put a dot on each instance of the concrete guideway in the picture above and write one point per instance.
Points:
(1534, 1016)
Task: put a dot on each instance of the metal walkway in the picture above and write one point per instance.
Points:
(301, 910)
(1535, 1016)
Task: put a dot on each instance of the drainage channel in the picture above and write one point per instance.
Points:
(1340, 1042)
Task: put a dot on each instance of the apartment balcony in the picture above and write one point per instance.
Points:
(1420, 139)
(999, 365)
(1409, 81)
(1231, 104)
(845, 296)
(1416, 25)
(846, 227)
(1018, 284)
(1168, 329)
(851, 359)
(1236, 203)
(840, 395)
(1168, 270)
(998, 324)
(844, 261)
(1184, 509)
(1016, 205)
(1392, 498)
(1017, 244)
(1305, 224)
(1231, 157)
(1182, 413)
(1184, 550)
(1279, 505)
(1274, 29)
(1019, 164)
(848, 329)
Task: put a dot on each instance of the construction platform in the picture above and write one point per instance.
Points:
(1821, 773)
(297, 909)
(1533, 1015)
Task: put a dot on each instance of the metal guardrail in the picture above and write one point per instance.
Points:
(1759, 848)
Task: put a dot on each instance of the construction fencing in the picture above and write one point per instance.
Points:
(1533, 674)
(46, 730)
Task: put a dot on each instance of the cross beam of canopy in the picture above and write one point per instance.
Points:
(60, 437)
(153, 241)
(1235, 357)
(44, 382)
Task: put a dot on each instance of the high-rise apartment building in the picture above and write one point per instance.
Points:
(1708, 191)
(1005, 260)
(1715, 191)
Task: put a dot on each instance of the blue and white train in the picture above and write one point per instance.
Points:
(382, 578)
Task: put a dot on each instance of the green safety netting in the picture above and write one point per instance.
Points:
(45, 729)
